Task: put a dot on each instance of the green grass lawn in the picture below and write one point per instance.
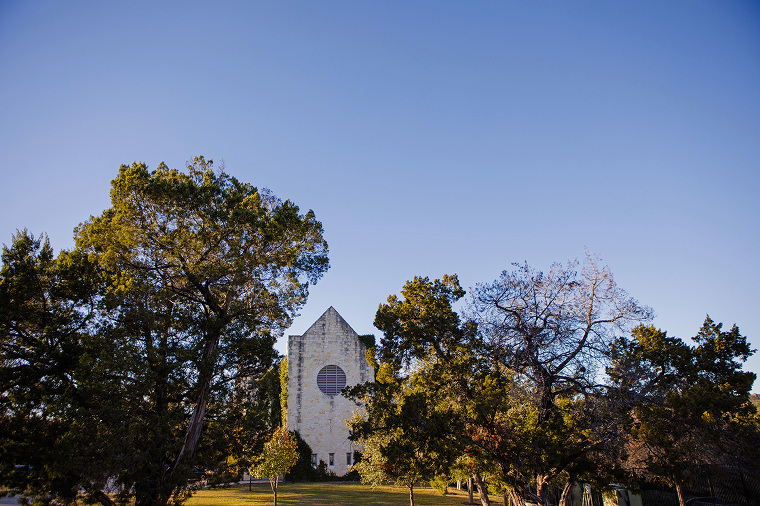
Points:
(336, 494)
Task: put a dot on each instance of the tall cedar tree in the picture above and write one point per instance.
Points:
(208, 271)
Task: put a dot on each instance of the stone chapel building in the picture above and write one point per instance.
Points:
(321, 363)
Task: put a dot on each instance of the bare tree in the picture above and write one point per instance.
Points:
(554, 331)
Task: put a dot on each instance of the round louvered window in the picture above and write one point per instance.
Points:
(331, 380)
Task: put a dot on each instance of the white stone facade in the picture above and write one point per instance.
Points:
(318, 416)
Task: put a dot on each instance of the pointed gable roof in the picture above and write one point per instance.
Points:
(330, 318)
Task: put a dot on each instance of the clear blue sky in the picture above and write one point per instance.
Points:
(429, 137)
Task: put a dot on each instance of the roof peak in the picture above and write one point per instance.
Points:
(330, 313)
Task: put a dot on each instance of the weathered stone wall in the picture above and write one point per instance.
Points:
(318, 417)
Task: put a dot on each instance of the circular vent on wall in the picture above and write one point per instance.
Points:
(331, 380)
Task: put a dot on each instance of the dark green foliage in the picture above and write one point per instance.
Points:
(266, 397)
(56, 378)
(367, 340)
(303, 470)
(423, 322)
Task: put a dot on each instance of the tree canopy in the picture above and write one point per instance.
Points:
(690, 404)
(188, 279)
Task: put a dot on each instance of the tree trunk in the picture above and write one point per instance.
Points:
(193, 433)
(679, 491)
(155, 486)
(274, 488)
(545, 397)
(542, 490)
(566, 499)
(516, 498)
(484, 500)
(469, 490)
(411, 494)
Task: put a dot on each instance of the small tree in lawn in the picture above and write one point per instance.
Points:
(280, 454)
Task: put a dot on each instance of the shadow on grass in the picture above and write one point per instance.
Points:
(325, 494)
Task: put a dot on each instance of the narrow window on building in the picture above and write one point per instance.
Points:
(314, 460)
(348, 458)
(332, 459)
